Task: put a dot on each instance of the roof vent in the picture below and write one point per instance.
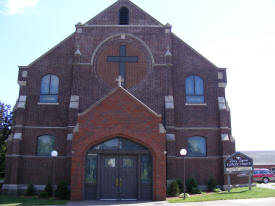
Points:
(123, 16)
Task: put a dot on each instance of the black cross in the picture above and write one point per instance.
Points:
(122, 59)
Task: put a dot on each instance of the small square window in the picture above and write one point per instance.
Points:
(127, 163)
(110, 162)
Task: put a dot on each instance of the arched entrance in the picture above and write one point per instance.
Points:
(119, 114)
(118, 169)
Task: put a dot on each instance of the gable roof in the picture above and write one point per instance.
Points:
(104, 19)
(50, 50)
(113, 92)
(119, 3)
(195, 51)
(261, 157)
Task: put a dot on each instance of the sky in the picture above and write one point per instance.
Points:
(235, 34)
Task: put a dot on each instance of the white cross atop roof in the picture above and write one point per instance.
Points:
(119, 80)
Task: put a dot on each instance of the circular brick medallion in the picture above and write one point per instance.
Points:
(121, 55)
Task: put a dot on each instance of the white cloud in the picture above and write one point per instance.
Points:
(19, 6)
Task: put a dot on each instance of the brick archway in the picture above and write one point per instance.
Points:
(119, 114)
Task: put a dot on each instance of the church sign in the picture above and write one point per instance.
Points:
(238, 162)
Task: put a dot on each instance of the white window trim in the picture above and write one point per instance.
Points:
(48, 103)
(197, 104)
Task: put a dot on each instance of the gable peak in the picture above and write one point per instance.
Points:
(136, 15)
(113, 92)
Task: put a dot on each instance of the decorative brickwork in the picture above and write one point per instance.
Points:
(119, 114)
(135, 72)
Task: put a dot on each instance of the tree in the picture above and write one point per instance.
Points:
(5, 130)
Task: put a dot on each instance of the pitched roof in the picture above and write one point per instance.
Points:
(261, 157)
(113, 92)
(104, 19)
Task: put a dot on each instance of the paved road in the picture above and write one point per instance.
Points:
(246, 202)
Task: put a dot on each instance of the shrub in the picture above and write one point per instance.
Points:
(190, 183)
(30, 190)
(173, 189)
(49, 189)
(180, 184)
(195, 190)
(62, 191)
(192, 186)
(211, 184)
(43, 194)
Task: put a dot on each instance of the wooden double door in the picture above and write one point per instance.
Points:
(118, 179)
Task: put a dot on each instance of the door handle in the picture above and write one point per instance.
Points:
(120, 182)
(116, 182)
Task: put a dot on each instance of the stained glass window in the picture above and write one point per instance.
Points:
(91, 162)
(194, 89)
(118, 144)
(196, 146)
(125, 144)
(49, 88)
(45, 145)
(108, 145)
(146, 169)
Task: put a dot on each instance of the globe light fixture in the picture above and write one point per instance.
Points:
(183, 152)
(54, 153)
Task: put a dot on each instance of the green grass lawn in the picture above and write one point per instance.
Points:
(20, 201)
(236, 193)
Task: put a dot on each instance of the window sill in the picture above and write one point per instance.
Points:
(196, 157)
(47, 103)
(43, 155)
(193, 104)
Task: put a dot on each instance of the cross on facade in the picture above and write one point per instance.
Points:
(122, 59)
(120, 80)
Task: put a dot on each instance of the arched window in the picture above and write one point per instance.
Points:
(196, 146)
(49, 88)
(45, 145)
(194, 89)
(118, 144)
(123, 16)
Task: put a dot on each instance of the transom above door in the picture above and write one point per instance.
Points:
(118, 169)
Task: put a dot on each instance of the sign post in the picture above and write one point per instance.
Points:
(238, 163)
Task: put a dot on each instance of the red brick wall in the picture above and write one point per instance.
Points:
(136, 16)
(118, 115)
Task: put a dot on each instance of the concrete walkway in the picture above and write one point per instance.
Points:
(269, 186)
(243, 202)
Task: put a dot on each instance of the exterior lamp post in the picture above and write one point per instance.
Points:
(183, 153)
(54, 154)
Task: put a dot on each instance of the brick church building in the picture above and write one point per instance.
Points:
(118, 99)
